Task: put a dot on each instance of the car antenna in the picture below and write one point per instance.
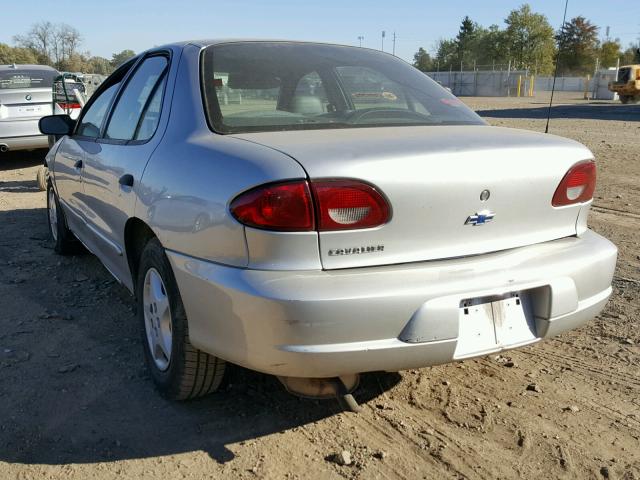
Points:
(555, 73)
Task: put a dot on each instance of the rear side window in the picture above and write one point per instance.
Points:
(151, 117)
(26, 78)
(137, 98)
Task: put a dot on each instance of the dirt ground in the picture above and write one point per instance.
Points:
(77, 403)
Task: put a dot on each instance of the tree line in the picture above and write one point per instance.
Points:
(58, 45)
(527, 42)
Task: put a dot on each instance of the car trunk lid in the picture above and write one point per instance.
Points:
(24, 104)
(434, 179)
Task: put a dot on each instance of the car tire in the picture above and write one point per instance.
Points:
(41, 178)
(63, 239)
(624, 99)
(179, 370)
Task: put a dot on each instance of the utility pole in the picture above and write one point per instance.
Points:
(360, 39)
(394, 44)
(383, 35)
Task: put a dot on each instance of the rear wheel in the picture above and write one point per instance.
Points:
(179, 370)
(625, 99)
(64, 242)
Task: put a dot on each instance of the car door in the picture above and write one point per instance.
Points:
(71, 154)
(116, 161)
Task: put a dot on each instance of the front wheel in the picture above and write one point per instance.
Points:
(179, 370)
(41, 178)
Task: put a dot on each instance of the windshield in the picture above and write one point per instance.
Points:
(26, 78)
(267, 86)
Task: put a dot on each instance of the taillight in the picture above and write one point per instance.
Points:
(577, 186)
(348, 205)
(283, 206)
(289, 206)
(69, 106)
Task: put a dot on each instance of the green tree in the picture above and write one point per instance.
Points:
(631, 55)
(119, 58)
(422, 60)
(491, 47)
(9, 55)
(529, 40)
(99, 65)
(446, 55)
(466, 42)
(578, 46)
(610, 52)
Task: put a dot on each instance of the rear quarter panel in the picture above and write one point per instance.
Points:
(193, 175)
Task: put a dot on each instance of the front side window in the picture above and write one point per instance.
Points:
(136, 97)
(269, 86)
(93, 117)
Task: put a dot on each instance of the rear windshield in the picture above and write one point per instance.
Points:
(268, 86)
(23, 78)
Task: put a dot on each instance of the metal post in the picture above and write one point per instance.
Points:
(383, 35)
(394, 44)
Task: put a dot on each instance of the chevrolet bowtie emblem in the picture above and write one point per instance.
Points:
(480, 218)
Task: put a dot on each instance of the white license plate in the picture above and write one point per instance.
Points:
(488, 325)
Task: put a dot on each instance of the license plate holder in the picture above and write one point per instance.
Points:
(489, 324)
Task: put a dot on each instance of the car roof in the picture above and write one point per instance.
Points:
(217, 41)
(26, 66)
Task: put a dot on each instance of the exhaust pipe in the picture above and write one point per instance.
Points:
(4, 147)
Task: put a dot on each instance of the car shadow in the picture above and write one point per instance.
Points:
(20, 186)
(591, 111)
(73, 385)
(21, 159)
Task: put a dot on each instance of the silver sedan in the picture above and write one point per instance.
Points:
(315, 211)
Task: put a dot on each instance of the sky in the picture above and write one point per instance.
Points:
(110, 26)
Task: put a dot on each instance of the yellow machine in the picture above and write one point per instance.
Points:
(627, 85)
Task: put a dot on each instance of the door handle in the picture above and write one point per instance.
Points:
(126, 180)
(78, 164)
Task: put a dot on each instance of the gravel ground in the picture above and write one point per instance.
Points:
(77, 403)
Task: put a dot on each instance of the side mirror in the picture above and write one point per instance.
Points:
(57, 125)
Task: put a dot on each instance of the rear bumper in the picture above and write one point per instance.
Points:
(25, 143)
(331, 323)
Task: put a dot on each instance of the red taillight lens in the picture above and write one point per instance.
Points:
(348, 205)
(282, 206)
(69, 106)
(288, 206)
(577, 186)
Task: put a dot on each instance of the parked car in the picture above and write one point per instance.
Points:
(340, 237)
(25, 97)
